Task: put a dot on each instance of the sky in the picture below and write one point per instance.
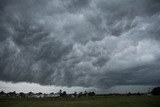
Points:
(77, 45)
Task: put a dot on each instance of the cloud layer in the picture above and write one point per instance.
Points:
(88, 43)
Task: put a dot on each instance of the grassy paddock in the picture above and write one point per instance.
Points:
(97, 101)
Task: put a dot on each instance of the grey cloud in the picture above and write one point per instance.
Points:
(99, 62)
(88, 43)
(76, 5)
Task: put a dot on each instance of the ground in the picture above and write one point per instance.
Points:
(97, 101)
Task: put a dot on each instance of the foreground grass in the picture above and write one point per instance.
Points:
(98, 101)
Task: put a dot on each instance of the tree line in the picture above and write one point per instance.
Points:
(42, 95)
(154, 91)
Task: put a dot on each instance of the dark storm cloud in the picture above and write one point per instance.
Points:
(98, 43)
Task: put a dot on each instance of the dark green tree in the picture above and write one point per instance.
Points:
(91, 94)
(80, 94)
(64, 94)
(155, 91)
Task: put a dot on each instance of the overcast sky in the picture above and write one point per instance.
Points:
(89, 44)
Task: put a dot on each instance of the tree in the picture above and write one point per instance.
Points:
(75, 93)
(60, 91)
(85, 93)
(91, 94)
(12, 94)
(64, 94)
(80, 94)
(129, 94)
(21, 94)
(2, 93)
(155, 91)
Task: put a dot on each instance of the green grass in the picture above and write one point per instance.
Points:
(98, 101)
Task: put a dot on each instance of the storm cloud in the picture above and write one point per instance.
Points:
(88, 43)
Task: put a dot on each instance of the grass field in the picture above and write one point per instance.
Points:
(98, 101)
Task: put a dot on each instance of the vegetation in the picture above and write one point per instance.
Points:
(96, 101)
(156, 91)
(83, 99)
(44, 95)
